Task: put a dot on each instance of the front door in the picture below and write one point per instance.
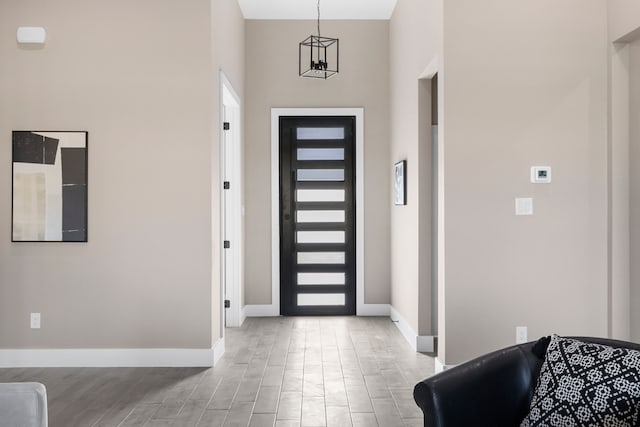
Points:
(317, 216)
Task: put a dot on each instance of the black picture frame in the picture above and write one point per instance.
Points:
(49, 191)
(400, 183)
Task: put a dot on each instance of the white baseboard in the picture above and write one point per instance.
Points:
(218, 350)
(243, 314)
(408, 333)
(129, 357)
(268, 310)
(373, 310)
(422, 343)
(441, 366)
(261, 310)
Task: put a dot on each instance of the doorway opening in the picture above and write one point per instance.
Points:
(428, 243)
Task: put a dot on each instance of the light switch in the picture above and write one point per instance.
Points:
(524, 206)
(521, 334)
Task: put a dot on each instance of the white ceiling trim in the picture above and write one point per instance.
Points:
(307, 9)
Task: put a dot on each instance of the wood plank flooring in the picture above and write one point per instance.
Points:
(282, 371)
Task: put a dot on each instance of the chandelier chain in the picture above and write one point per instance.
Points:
(318, 18)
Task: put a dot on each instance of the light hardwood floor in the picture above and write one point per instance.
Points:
(285, 371)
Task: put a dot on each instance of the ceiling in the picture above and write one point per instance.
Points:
(307, 9)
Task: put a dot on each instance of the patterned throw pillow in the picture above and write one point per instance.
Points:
(584, 384)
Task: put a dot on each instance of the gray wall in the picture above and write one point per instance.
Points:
(624, 28)
(634, 184)
(620, 266)
(623, 17)
(416, 44)
(272, 81)
(148, 95)
(138, 76)
(624, 199)
(228, 35)
(535, 97)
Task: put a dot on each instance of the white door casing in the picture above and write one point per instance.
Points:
(231, 200)
(273, 309)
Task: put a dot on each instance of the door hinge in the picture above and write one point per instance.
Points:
(227, 244)
(227, 303)
(226, 126)
(227, 185)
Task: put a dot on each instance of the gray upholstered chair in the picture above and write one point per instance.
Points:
(23, 405)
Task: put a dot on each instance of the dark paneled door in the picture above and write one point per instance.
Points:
(317, 216)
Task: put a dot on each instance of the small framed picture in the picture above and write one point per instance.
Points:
(400, 183)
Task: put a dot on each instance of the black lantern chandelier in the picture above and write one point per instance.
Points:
(318, 56)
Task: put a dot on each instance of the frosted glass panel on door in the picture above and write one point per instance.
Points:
(320, 278)
(320, 216)
(320, 153)
(321, 299)
(320, 175)
(321, 258)
(320, 133)
(320, 237)
(320, 195)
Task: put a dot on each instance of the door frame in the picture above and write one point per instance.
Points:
(230, 99)
(273, 309)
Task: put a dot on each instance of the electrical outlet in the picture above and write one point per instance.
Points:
(35, 320)
(521, 334)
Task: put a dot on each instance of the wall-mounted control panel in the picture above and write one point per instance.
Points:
(31, 35)
(541, 174)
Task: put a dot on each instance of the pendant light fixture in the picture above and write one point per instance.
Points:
(318, 56)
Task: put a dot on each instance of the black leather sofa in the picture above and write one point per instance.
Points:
(494, 390)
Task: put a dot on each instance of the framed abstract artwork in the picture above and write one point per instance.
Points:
(49, 194)
(400, 183)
